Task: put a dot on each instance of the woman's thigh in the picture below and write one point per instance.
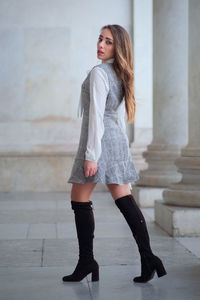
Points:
(118, 191)
(82, 192)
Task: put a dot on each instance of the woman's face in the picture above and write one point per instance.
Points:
(105, 45)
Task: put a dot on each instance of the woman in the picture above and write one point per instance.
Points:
(103, 154)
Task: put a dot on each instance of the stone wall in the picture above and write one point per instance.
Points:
(46, 49)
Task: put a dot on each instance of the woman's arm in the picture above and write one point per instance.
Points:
(98, 94)
(99, 88)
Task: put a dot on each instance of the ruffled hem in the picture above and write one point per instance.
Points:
(122, 172)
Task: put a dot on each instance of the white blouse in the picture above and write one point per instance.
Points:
(99, 88)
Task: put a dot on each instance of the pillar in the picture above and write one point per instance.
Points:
(169, 100)
(181, 201)
(142, 51)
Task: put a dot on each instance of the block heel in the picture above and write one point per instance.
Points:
(149, 268)
(161, 270)
(81, 271)
(95, 275)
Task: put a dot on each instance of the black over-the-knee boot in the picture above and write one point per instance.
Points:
(135, 219)
(84, 220)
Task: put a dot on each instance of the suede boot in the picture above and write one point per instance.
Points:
(135, 219)
(84, 220)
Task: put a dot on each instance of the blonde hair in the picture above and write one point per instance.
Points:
(123, 66)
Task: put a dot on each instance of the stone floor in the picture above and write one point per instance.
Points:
(38, 246)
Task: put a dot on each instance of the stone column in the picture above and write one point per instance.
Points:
(142, 50)
(169, 100)
(183, 217)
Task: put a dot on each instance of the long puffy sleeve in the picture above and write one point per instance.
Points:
(99, 88)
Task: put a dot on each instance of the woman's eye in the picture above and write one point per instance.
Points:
(107, 42)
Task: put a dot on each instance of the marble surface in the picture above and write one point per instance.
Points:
(41, 247)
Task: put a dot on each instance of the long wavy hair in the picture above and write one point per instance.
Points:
(123, 66)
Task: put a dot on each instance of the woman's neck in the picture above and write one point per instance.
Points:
(110, 60)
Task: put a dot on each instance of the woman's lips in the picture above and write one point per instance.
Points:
(100, 52)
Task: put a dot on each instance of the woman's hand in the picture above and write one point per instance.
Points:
(90, 168)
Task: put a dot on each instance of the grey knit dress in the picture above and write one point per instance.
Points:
(115, 164)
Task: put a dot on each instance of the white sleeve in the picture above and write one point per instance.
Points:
(99, 88)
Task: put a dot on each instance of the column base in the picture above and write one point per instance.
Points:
(138, 159)
(161, 170)
(145, 196)
(177, 221)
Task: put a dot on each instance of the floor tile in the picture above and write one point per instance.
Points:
(40, 284)
(66, 230)
(191, 243)
(42, 231)
(181, 283)
(21, 253)
(13, 231)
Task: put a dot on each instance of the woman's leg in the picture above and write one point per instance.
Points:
(82, 192)
(118, 191)
(135, 219)
(84, 220)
